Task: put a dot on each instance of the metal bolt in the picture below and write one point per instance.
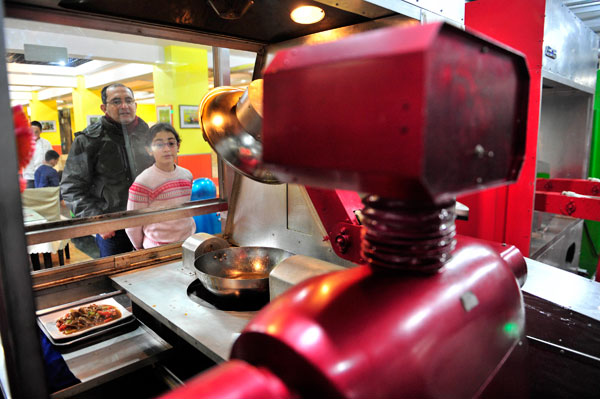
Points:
(570, 208)
(479, 180)
(479, 151)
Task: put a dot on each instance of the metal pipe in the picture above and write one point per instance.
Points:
(63, 229)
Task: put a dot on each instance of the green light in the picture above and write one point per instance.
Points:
(511, 329)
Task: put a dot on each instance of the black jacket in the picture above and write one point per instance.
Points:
(101, 168)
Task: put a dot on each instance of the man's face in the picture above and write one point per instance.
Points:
(36, 132)
(120, 105)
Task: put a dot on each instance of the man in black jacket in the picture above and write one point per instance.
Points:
(103, 163)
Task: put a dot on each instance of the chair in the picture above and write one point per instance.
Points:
(46, 202)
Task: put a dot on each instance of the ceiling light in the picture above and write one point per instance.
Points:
(307, 15)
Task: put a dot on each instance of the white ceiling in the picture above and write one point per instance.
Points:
(115, 57)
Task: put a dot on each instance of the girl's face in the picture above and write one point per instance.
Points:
(164, 149)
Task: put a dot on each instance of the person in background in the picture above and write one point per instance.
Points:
(46, 175)
(42, 146)
(162, 184)
(103, 163)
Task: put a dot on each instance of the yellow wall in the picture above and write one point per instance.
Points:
(183, 80)
(85, 102)
(147, 112)
(46, 111)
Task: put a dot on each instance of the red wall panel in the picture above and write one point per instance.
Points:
(505, 214)
(199, 164)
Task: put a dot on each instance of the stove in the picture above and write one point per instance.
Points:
(247, 302)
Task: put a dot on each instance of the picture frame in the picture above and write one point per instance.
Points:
(48, 126)
(164, 114)
(91, 119)
(188, 117)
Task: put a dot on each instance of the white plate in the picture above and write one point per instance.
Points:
(49, 320)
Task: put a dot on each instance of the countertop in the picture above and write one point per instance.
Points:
(162, 292)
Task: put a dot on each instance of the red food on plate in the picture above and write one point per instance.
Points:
(87, 317)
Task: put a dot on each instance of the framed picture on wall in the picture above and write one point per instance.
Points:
(164, 114)
(48, 126)
(91, 119)
(188, 117)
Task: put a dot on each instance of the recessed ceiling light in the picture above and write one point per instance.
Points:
(307, 15)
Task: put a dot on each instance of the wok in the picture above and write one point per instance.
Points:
(238, 271)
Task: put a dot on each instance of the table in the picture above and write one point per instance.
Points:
(30, 218)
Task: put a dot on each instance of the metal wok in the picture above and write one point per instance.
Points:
(239, 271)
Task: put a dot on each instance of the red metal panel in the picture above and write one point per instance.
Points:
(363, 334)
(234, 379)
(519, 24)
(580, 208)
(579, 186)
(336, 211)
(422, 134)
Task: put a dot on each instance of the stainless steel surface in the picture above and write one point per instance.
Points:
(249, 109)
(228, 138)
(119, 220)
(106, 360)
(161, 291)
(565, 130)
(22, 355)
(121, 25)
(453, 10)
(197, 245)
(296, 269)
(563, 288)
(239, 271)
(556, 240)
(576, 45)
(280, 216)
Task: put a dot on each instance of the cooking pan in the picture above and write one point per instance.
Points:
(238, 271)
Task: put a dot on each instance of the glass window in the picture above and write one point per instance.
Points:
(109, 150)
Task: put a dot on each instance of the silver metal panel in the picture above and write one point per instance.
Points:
(296, 269)
(197, 245)
(563, 288)
(261, 219)
(556, 240)
(162, 292)
(575, 44)
(106, 360)
(453, 10)
(339, 33)
(565, 130)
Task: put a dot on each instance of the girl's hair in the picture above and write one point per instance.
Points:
(162, 127)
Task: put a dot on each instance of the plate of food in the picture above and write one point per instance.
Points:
(73, 322)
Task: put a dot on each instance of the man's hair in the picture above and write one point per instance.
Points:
(162, 127)
(50, 155)
(105, 88)
(36, 123)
